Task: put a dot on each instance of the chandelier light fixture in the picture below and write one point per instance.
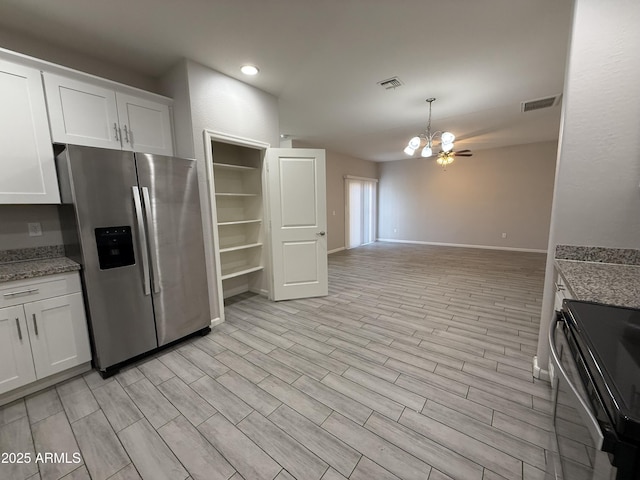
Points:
(424, 142)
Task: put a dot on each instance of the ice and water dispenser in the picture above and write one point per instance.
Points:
(115, 247)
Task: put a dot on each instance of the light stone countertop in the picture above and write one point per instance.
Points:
(610, 283)
(36, 268)
(24, 263)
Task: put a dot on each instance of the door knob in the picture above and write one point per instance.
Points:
(322, 234)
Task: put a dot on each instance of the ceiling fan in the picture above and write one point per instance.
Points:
(446, 158)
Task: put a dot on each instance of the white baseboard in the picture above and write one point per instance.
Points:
(44, 383)
(232, 292)
(539, 372)
(216, 321)
(335, 250)
(442, 244)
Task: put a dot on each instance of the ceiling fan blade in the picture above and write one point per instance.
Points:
(464, 154)
(463, 151)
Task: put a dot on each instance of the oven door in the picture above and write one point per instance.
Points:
(577, 440)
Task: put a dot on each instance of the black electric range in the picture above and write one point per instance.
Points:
(608, 338)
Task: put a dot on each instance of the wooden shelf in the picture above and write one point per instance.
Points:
(237, 273)
(229, 194)
(240, 247)
(228, 166)
(240, 222)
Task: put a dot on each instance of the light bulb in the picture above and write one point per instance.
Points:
(414, 143)
(447, 137)
(426, 152)
(408, 150)
(446, 147)
(249, 70)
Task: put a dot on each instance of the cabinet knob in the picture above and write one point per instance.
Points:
(322, 234)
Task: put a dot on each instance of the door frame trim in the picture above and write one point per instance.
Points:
(217, 136)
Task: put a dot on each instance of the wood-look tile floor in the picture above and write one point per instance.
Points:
(416, 366)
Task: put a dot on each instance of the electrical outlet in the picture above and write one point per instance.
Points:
(395, 230)
(334, 213)
(35, 229)
(504, 235)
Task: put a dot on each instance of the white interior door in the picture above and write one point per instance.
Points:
(298, 208)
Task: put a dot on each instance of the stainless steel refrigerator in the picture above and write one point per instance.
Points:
(133, 222)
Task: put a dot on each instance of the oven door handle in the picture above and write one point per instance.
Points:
(585, 410)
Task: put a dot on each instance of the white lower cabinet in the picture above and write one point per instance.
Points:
(42, 337)
(16, 363)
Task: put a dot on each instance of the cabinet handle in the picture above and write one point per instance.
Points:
(126, 134)
(559, 286)
(115, 127)
(19, 329)
(35, 323)
(21, 292)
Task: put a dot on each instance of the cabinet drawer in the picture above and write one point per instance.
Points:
(33, 289)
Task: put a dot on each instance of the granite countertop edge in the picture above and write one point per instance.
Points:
(609, 283)
(22, 270)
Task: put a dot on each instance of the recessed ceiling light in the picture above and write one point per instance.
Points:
(249, 70)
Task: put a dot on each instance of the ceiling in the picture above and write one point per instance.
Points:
(323, 59)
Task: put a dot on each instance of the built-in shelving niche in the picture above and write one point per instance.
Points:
(237, 173)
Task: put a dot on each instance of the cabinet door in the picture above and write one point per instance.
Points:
(26, 154)
(58, 333)
(146, 125)
(16, 364)
(81, 113)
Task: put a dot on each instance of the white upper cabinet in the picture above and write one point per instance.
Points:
(146, 125)
(82, 113)
(27, 168)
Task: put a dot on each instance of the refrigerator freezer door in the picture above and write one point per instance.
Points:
(121, 315)
(174, 227)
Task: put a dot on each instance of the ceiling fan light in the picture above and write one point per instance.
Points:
(415, 143)
(447, 147)
(426, 151)
(448, 137)
(408, 150)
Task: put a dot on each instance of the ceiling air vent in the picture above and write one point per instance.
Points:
(390, 83)
(539, 103)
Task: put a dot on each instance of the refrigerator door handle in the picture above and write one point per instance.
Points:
(142, 235)
(153, 247)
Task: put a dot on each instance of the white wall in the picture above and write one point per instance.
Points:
(472, 202)
(14, 231)
(339, 165)
(175, 84)
(223, 104)
(597, 194)
(34, 47)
